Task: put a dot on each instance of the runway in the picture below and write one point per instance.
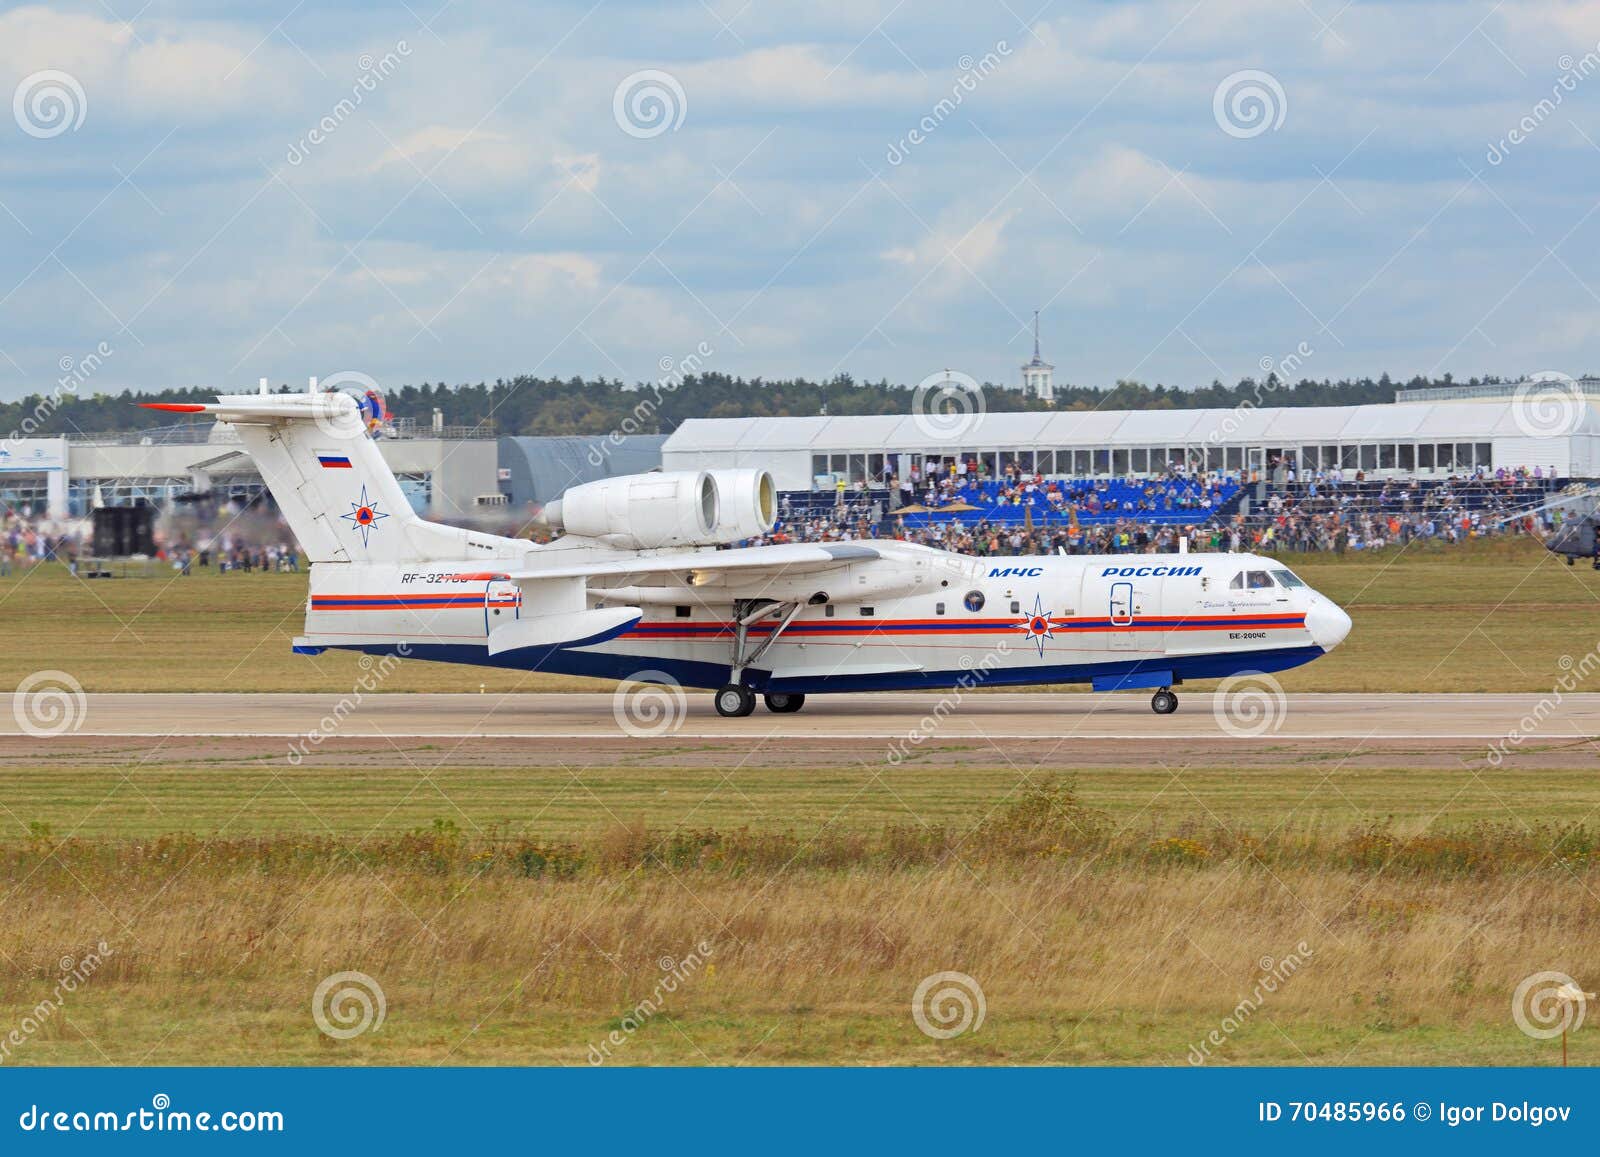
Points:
(665, 715)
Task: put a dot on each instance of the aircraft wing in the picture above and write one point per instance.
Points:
(755, 562)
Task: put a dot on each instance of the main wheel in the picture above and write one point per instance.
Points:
(783, 704)
(735, 701)
(1163, 702)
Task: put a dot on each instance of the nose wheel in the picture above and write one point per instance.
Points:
(1163, 702)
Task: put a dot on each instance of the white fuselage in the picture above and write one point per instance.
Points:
(913, 617)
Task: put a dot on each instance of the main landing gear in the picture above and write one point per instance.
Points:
(1163, 702)
(734, 700)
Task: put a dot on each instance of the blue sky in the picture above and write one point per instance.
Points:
(495, 202)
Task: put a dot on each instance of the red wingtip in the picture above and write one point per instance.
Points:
(174, 407)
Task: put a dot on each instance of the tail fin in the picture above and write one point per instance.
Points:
(329, 480)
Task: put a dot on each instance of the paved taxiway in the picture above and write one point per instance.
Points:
(989, 715)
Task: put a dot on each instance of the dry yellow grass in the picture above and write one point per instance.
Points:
(1091, 941)
(1096, 966)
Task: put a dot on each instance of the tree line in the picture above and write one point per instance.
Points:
(529, 405)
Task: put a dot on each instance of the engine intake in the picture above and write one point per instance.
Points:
(747, 501)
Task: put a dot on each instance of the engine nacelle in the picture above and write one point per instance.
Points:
(640, 511)
(747, 502)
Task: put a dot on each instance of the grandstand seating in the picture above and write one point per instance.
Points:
(1171, 501)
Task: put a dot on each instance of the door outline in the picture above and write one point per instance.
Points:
(1122, 592)
(500, 592)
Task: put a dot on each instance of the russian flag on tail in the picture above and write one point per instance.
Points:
(334, 461)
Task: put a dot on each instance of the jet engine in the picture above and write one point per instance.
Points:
(677, 508)
(640, 511)
(747, 501)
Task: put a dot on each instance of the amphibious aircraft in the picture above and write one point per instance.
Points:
(642, 582)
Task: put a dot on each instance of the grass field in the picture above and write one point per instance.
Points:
(521, 904)
(512, 916)
(1490, 616)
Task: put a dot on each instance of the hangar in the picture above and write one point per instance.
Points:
(1423, 438)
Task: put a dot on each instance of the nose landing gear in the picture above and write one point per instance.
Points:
(1163, 702)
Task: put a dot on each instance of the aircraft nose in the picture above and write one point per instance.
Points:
(1327, 623)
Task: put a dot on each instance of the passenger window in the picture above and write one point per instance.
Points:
(938, 608)
(827, 611)
(684, 612)
(1260, 580)
(1016, 607)
(866, 612)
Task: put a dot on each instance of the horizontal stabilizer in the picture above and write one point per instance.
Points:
(584, 627)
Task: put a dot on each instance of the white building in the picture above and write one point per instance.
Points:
(1038, 376)
(1429, 440)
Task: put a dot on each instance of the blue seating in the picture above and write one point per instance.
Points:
(1099, 502)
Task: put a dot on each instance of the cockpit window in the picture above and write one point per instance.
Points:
(1288, 579)
(1258, 580)
(1238, 582)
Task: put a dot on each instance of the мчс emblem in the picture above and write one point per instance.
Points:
(364, 515)
(1037, 625)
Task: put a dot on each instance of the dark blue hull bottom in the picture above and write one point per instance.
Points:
(711, 675)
